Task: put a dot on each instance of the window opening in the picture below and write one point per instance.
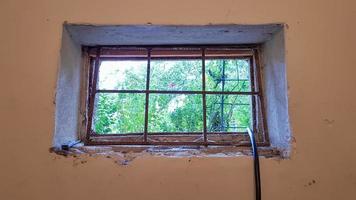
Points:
(174, 96)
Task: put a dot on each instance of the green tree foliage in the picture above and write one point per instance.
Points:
(228, 112)
(124, 112)
(119, 113)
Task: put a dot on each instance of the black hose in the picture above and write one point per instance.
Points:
(256, 163)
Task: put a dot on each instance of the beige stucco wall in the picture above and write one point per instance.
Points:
(320, 69)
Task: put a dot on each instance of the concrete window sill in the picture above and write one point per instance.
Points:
(121, 152)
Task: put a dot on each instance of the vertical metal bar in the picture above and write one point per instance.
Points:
(90, 75)
(253, 97)
(145, 133)
(92, 90)
(261, 98)
(222, 124)
(204, 97)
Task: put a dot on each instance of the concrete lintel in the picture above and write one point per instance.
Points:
(171, 34)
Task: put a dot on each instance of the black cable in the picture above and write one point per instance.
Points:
(256, 163)
(66, 147)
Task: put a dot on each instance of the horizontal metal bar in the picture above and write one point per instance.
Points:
(233, 104)
(247, 143)
(176, 92)
(220, 79)
(144, 58)
(239, 46)
(165, 134)
(120, 91)
(244, 127)
(93, 134)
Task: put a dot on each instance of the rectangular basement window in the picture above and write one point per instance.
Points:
(173, 95)
(187, 110)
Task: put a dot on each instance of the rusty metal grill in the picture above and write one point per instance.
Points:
(206, 137)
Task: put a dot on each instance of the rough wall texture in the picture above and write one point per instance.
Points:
(275, 91)
(320, 43)
(67, 94)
